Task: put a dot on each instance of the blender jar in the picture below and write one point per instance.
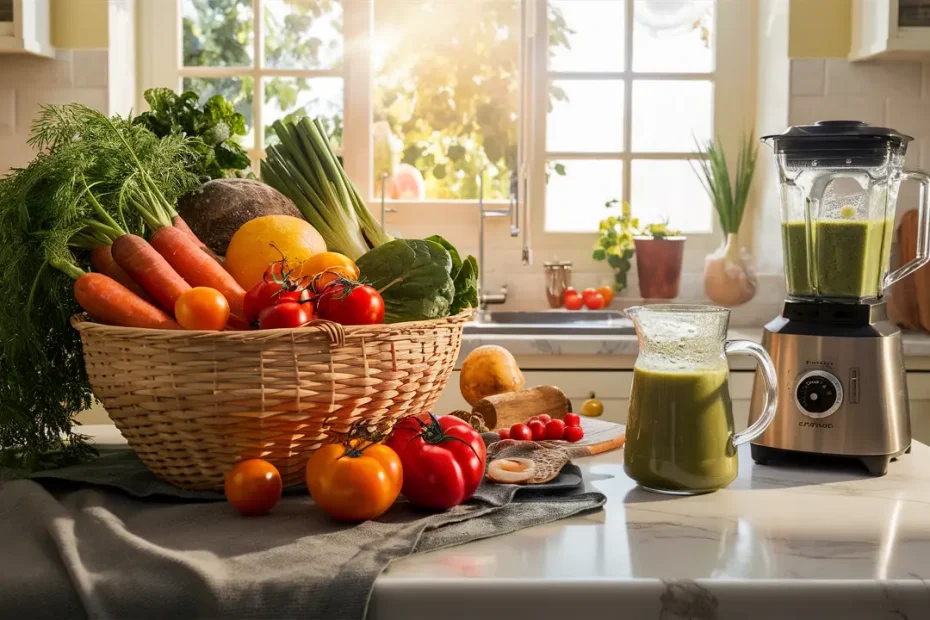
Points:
(839, 182)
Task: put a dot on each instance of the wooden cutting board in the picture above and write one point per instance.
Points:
(909, 299)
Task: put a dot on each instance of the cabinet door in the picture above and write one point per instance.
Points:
(918, 393)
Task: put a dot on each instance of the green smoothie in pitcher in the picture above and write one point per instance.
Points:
(851, 257)
(680, 430)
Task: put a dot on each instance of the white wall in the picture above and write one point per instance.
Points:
(26, 82)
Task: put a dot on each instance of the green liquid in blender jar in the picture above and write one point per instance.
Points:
(852, 256)
(679, 430)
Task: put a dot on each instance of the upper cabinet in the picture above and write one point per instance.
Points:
(890, 29)
(25, 27)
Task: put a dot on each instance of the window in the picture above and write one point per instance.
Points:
(631, 88)
(604, 97)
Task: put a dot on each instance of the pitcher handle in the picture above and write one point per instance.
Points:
(923, 230)
(771, 391)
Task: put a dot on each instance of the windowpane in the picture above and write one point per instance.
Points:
(586, 116)
(295, 98)
(303, 34)
(673, 37)
(575, 200)
(217, 33)
(669, 115)
(446, 96)
(586, 35)
(238, 91)
(669, 190)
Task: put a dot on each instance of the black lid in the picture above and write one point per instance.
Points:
(867, 144)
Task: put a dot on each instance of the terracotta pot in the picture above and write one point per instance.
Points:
(658, 263)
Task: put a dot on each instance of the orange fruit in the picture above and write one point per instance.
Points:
(608, 293)
(202, 308)
(260, 242)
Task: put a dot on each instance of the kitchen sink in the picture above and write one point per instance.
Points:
(554, 323)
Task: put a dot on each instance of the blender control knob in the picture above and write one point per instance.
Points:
(818, 394)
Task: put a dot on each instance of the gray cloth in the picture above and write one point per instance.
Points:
(69, 550)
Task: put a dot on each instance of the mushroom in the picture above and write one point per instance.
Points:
(511, 471)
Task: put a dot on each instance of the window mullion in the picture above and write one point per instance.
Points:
(358, 86)
(258, 86)
(627, 99)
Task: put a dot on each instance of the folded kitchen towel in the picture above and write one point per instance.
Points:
(109, 540)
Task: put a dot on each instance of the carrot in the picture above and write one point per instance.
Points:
(181, 224)
(101, 258)
(196, 267)
(150, 270)
(112, 303)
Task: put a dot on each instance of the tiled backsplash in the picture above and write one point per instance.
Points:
(26, 82)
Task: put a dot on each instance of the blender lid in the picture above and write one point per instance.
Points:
(835, 136)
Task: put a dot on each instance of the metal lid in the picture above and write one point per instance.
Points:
(860, 143)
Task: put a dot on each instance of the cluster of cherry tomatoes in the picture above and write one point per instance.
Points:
(590, 298)
(437, 463)
(325, 287)
(543, 427)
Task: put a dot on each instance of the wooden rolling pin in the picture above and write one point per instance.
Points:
(504, 410)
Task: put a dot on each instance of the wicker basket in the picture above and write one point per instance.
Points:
(193, 403)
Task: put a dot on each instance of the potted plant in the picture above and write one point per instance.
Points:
(729, 273)
(659, 254)
(615, 242)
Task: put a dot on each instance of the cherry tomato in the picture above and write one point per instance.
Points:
(283, 315)
(573, 434)
(533, 419)
(555, 429)
(354, 482)
(253, 487)
(202, 308)
(607, 292)
(572, 419)
(587, 293)
(330, 262)
(265, 294)
(275, 272)
(351, 305)
(545, 418)
(594, 302)
(504, 433)
(521, 432)
(538, 429)
(573, 301)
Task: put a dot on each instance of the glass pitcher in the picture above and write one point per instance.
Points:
(679, 433)
(839, 184)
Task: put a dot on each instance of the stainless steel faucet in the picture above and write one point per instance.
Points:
(486, 299)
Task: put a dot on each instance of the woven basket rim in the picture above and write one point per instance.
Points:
(83, 322)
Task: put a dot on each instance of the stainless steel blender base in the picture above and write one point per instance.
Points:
(842, 394)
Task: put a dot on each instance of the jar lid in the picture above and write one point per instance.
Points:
(851, 139)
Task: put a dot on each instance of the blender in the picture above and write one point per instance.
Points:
(838, 359)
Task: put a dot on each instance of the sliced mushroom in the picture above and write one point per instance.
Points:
(511, 471)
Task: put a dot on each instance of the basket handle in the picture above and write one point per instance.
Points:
(335, 331)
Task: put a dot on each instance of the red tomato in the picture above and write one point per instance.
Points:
(362, 305)
(202, 308)
(545, 418)
(572, 419)
(443, 459)
(538, 429)
(521, 432)
(573, 434)
(555, 429)
(253, 487)
(287, 314)
(594, 302)
(573, 301)
(504, 433)
(587, 294)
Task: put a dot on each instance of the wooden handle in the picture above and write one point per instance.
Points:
(504, 410)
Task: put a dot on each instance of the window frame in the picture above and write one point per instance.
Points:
(160, 64)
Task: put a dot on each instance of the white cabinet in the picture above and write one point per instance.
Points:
(25, 27)
(611, 387)
(890, 29)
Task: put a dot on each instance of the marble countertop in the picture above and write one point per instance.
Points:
(780, 542)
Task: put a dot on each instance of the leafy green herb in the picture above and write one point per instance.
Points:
(413, 277)
(304, 168)
(215, 126)
(714, 174)
(94, 178)
(464, 277)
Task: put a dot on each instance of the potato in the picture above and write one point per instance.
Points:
(487, 371)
